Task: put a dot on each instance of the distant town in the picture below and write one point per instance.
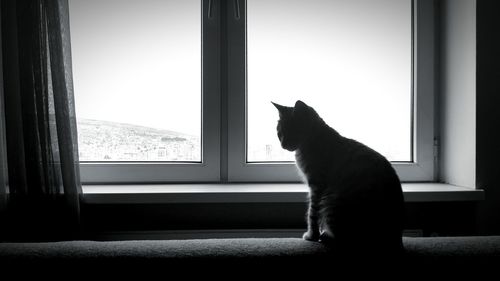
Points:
(109, 141)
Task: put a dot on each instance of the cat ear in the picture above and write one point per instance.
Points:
(300, 106)
(282, 109)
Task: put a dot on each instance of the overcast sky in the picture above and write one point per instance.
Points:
(138, 62)
(351, 60)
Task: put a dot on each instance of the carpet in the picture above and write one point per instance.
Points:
(251, 255)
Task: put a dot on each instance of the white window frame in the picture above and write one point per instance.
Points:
(224, 110)
(423, 164)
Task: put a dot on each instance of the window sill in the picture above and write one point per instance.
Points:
(252, 193)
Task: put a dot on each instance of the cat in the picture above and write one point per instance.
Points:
(355, 196)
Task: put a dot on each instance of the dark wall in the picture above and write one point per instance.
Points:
(488, 114)
(3, 152)
(428, 218)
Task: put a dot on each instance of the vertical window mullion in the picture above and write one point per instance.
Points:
(211, 87)
(236, 86)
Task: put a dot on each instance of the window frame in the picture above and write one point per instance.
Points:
(422, 168)
(224, 76)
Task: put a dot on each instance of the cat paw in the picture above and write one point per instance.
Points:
(326, 238)
(310, 236)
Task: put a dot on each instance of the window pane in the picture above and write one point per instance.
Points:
(350, 60)
(137, 79)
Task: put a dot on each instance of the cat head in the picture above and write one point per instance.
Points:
(295, 124)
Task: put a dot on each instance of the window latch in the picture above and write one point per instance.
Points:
(237, 9)
(210, 9)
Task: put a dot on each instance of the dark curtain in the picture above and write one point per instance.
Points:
(40, 124)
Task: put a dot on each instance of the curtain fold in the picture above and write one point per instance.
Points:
(42, 148)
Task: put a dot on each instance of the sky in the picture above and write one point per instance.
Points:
(138, 62)
(350, 60)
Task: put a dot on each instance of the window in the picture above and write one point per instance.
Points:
(291, 27)
(137, 76)
(350, 60)
(183, 90)
(145, 91)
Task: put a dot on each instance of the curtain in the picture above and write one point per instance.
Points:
(40, 125)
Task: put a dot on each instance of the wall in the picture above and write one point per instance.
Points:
(431, 218)
(3, 151)
(469, 103)
(457, 92)
(488, 115)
